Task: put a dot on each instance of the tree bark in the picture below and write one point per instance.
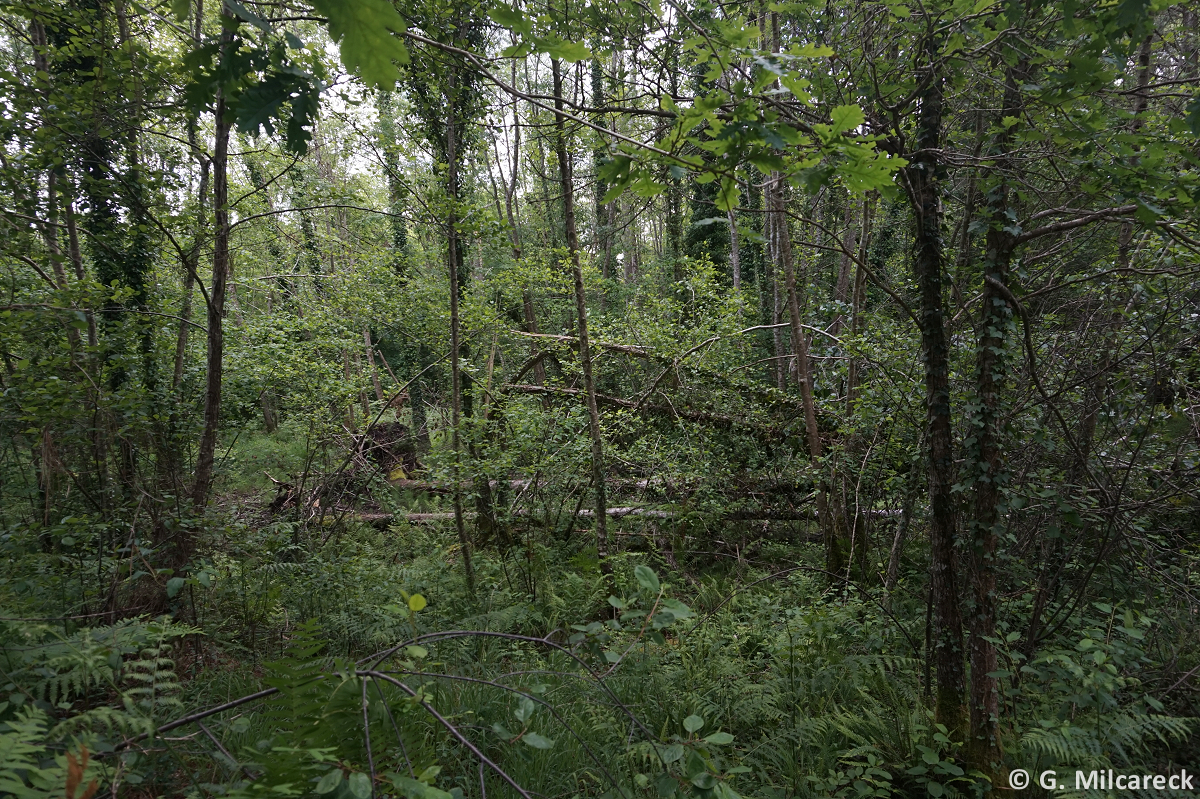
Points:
(834, 560)
(842, 289)
(76, 256)
(735, 252)
(216, 301)
(923, 185)
(902, 528)
(856, 304)
(585, 353)
(395, 187)
(983, 749)
(454, 259)
(370, 348)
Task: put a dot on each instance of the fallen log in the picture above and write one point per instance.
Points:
(796, 514)
(618, 402)
(573, 341)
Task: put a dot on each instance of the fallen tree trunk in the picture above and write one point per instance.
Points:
(797, 514)
(617, 402)
(573, 342)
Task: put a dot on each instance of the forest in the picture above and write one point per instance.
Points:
(609, 399)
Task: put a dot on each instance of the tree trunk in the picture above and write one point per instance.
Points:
(206, 451)
(599, 153)
(735, 253)
(857, 299)
(925, 196)
(76, 256)
(585, 354)
(991, 371)
(834, 560)
(370, 348)
(454, 258)
(842, 289)
(771, 292)
(902, 528)
(395, 187)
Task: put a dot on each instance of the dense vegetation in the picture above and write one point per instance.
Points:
(622, 399)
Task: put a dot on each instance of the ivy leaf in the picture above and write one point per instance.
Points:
(363, 29)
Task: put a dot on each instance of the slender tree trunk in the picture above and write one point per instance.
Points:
(925, 196)
(395, 187)
(857, 300)
(50, 235)
(842, 289)
(454, 258)
(585, 354)
(370, 348)
(902, 528)
(834, 560)
(735, 253)
(510, 191)
(633, 251)
(991, 372)
(76, 256)
(206, 452)
(191, 260)
(185, 318)
(770, 292)
(599, 153)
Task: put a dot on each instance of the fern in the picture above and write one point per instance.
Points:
(302, 682)
(30, 769)
(122, 674)
(1122, 739)
(154, 684)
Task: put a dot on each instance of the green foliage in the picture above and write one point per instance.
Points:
(703, 650)
(368, 33)
(30, 769)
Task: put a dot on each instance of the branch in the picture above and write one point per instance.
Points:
(1071, 224)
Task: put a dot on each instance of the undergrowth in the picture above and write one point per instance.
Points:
(738, 683)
